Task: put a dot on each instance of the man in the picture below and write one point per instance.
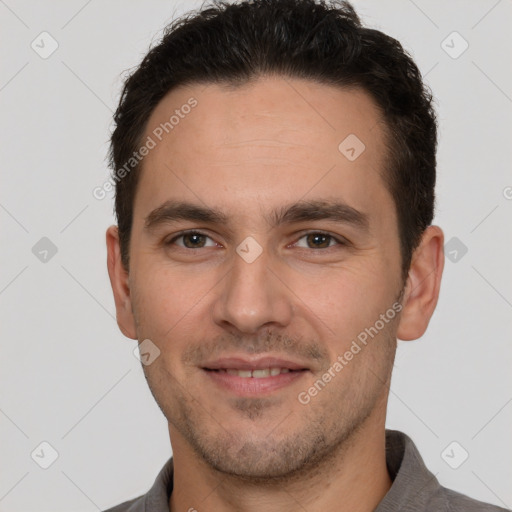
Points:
(274, 164)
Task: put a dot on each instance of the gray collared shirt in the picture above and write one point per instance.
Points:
(414, 488)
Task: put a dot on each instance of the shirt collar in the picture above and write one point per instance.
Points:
(414, 486)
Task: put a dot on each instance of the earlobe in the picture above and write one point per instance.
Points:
(120, 287)
(423, 285)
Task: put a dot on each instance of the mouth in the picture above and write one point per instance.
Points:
(246, 377)
(255, 374)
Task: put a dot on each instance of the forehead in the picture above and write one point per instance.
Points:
(263, 141)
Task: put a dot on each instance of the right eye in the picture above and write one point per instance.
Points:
(191, 240)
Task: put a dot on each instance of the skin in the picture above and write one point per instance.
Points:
(248, 151)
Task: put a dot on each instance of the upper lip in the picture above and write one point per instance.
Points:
(256, 363)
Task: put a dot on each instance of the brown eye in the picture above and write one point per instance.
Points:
(192, 240)
(318, 240)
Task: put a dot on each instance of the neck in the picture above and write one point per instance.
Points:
(354, 479)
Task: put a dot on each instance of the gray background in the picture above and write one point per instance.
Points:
(69, 377)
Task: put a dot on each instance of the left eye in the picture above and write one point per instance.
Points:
(318, 241)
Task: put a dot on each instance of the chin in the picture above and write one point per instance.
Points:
(266, 459)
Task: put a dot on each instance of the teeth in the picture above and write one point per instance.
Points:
(256, 374)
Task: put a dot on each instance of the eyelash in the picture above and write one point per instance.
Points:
(339, 241)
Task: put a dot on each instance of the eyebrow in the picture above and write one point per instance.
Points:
(337, 211)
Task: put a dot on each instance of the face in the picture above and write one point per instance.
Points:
(261, 254)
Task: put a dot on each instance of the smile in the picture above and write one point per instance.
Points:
(256, 374)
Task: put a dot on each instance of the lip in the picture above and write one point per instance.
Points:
(244, 363)
(251, 386)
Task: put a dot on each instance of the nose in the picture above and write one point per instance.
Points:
(252, 297)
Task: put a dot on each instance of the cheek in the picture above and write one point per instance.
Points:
(170, 310)
(167, 299)
(346, 301)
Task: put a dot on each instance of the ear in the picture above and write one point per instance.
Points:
(120, 285)
(423, 285)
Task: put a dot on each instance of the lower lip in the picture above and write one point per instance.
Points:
(244, 386)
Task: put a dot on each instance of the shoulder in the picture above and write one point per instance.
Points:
(457, 502)
(415, 488)
(133, 505)
(156, 499)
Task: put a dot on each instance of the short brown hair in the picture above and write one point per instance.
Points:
(311, 39)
